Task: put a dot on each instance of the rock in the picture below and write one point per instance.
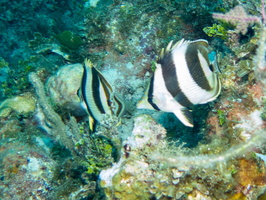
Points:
(63, 86)
(22, 104)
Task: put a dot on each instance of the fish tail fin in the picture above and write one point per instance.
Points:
(185, 116)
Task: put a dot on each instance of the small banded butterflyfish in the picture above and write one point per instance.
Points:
(97, 96)
(184, 76)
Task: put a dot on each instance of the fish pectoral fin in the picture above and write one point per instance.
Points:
(185, 116)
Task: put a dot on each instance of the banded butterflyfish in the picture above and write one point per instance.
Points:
(184, 76)
(97, 95)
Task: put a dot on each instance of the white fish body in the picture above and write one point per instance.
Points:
(182, 78)
(192, 90)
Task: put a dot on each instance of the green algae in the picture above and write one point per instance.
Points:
(216, 30)
(68, 40)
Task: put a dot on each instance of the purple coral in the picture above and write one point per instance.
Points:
(239, 18)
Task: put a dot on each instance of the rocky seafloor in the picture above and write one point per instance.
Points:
(47, 150)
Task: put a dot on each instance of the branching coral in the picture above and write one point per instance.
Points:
(259, 59)
(239, 18)
(53, 122)
(207, 161)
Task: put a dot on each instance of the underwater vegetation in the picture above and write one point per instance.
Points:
(68, 40)
(48, 149)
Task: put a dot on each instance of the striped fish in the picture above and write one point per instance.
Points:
(97, 95)
(184, 76)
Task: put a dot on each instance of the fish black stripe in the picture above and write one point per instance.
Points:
(120, 107)
(150, 95)
(183, 100)
(96, 90)
(169, 74)
(83, 91)
(188, 115)
(195, 67)
(118, 104)
(106, 88)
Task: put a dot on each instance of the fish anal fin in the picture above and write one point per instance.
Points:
(185, 116)
(144, 104)
(91, 123)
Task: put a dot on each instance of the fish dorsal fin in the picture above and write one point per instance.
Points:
(179, 43)
(201, 42)
(162, 54)
(119, 110)
(106, 84)
(115, 103)
(88, 63)
(170, 47)
(166, 50)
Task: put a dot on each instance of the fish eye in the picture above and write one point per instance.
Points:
(211, 67)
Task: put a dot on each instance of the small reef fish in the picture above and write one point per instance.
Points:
(97, 95)
(184, 76)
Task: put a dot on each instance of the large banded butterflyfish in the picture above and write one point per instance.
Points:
(97, 95)
(184, 76)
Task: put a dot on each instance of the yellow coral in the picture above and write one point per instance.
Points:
(22, 104)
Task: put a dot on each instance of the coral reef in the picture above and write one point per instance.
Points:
(128, 178)
(25, 172)
(235, 131)
(139, 176)
(22, 105)
(30, 172)
(47, 150)
(59, 161)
